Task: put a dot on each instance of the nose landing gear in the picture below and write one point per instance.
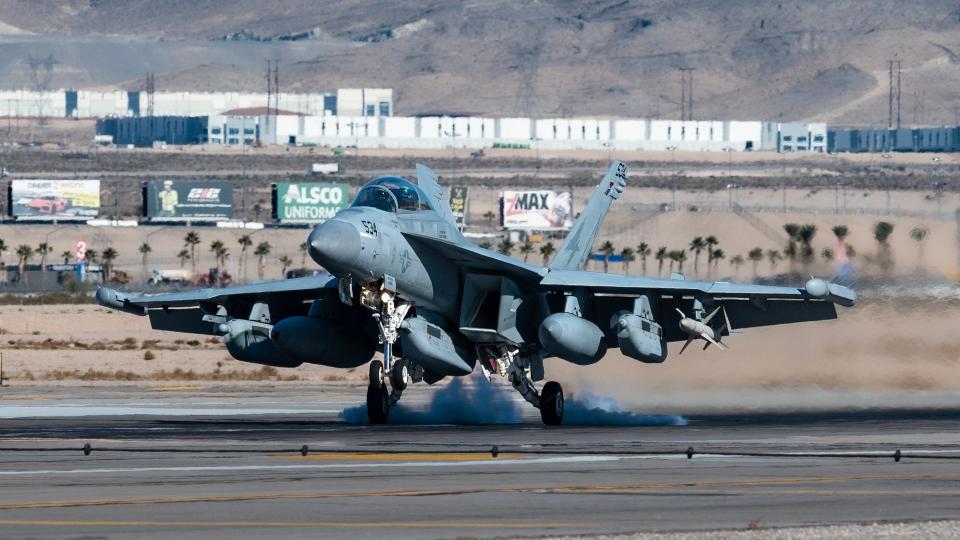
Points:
(379, 397)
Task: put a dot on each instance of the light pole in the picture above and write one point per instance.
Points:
(673, 168)
(887, 157)
(453, 148)
(609, 147)
(536, 143)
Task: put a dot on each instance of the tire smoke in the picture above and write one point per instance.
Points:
(475, 401)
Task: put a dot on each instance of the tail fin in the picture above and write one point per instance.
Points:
(428, 182)
(573, 254)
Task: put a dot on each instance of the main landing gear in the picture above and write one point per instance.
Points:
(519, 370)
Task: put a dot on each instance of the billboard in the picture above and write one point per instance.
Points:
(188, 199)
(537, 210)
(308, 202)
(459, 200)
(55, 199)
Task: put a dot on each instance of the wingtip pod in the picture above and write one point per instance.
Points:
(825, 290)
(114, 299)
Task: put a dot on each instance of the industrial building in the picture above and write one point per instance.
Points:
(149, 131)
(119, 104)
(939, 139)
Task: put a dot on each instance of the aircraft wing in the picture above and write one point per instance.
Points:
(747, 305)
(186, 311)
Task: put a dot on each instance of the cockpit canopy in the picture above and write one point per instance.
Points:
(392, 193)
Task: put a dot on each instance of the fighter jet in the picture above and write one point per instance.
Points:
(406, 283)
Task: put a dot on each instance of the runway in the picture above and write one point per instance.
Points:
(227, 462)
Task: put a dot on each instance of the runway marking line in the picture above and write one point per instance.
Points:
(400, 457)
(493, 524)
(683, 488)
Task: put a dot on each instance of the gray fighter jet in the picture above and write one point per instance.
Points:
(406, 282)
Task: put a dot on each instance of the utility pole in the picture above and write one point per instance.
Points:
(898, 94)
(890, 95)
(151, 88)
(686, 94)
(893, 94)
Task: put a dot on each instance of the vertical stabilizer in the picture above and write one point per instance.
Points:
(428, 182)
(575, 250)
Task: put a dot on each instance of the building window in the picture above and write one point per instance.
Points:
(787, 138)
(215, 131)
(787, 148)
(370, 110)
(248, 131)
(233, 140)
(669, 133)
(818, 138)
(234, 131)
(801, 139)
(384, 108)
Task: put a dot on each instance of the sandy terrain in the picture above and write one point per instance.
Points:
(882, 345)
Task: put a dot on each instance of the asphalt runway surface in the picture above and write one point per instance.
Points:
(181, 462)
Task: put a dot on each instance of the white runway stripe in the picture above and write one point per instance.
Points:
(316, 466)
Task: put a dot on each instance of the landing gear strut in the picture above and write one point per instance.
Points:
(518, 370)
(379, 397)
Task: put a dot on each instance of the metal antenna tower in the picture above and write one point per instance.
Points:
(41, 73)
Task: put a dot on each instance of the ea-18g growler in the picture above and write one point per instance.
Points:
(406, 283)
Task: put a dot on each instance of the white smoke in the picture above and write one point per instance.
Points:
(475, 401)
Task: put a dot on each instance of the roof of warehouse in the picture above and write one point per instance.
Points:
(259, 111)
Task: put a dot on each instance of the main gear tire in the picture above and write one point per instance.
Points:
(399, 375)
(378, 404)
(551, 404)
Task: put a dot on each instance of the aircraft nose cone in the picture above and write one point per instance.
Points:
(334, 244)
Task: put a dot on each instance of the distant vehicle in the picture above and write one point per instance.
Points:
(179, 275)
(48, 205)
(324, 168)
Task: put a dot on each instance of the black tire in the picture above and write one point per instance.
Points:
(551, 404)
(376, 374)
(378, 404)
(399, 375)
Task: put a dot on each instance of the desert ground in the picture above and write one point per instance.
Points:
(886, 345)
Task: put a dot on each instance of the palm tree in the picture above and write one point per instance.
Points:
(303, 254)
(3, 265)
(881, 233)
(805, 235)
(191, 241)
(184, 256)
(627, 254)
(711, 242)
(696, 246)
(220, 254)
(660, 255)
(681, 258)
(485, 245)
(793, 234)
(607, 249)
(755, 255)
(506, 246)
(245, 242)
(109, 255)
(262, 250)
(841, 232)
(66, 257)
(144, 250)
(546, 251)
(643, 251)
(285, 262)
(827, 254)
(489, 215)
(736, 262)
(42, 249)
(257, 209)
(24, 252)
(92, 256)
(716, 256)
(774, 257)
(526, 248)
(919, 234)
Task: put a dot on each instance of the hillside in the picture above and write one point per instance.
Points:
(816, 60)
